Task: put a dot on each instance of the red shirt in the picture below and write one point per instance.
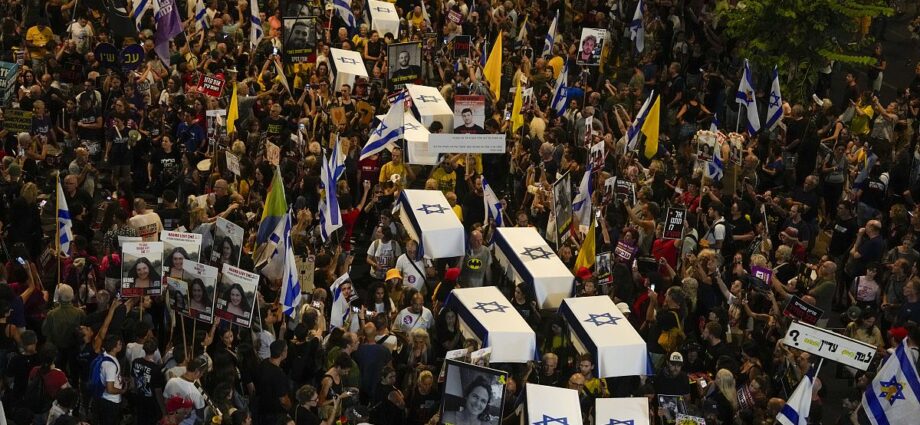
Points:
(348, 221)
(55, 380)
(667, 249)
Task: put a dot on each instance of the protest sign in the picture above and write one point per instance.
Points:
(674, 223)
(802, 311)
(141, 268)
(829, 345)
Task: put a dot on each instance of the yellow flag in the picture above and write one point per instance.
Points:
(586, 254)
(650, 129)
(233, 112)
(493, 70)
(517, 119)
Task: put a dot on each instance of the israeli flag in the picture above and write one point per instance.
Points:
(745, 96)
(775, 108)
(492, 204)
(561, 92)
(715, 168)
(65, 224)
(290, 283)
(550, 37)
(389, 130)
(635, 129)
(140, 9)
(255, 33)
(330, 217)
(581, 206)
(714, 125)
(201, 15)
(795, 412)
(893, 396)
(343, 7)
(637, 29)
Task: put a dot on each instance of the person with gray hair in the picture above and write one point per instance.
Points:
(59, 327)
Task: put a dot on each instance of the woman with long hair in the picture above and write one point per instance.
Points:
(237, 304)
(724, 394)
(198, 297)
(477, 396)
(143, 273)
(175, 260)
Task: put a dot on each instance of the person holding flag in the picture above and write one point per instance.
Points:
(64, 223)
(561, 92)
(390, 130)
(637, 28)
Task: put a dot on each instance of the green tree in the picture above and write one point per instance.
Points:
(800, 36)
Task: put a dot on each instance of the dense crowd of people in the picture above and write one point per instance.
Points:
(825, 200)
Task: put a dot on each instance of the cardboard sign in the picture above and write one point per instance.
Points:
(233, 163)
(272, 153)
(802, 311)
(762, 273)
(211, 85)
(674, 223)
(17, 120)
(829, 345)
(366, 112)
(467, 143)
(338, 115)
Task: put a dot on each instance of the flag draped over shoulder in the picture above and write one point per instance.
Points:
(275, 208)
(64, 223)
(492, 72)
(892, 398)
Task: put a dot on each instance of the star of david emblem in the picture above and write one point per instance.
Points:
(380, 128)
(602, 319)
(490, 307)
(351, 61)
(892, 390)
(749, 97)
(619, 422)
(382, 9)
(549, 420)
(425, 98)
(410, 126)
(774, 99)
(537, 253)
(433, 208)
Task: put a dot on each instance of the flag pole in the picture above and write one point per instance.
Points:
(57, 225)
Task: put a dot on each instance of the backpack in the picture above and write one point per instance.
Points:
(728, 243)
(35, 398)
(671, 339)
(97, 383)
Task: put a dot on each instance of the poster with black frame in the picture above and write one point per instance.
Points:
(299, 42)
(228, 242)
(237, 300)
(674, 223)
(590, 46)
(671, 406)
(202, 290)
(141, 268)
(610, 189)
(472, 394)
(597, 157)
(179, 247)
(405, 64)
(625, 190)
(603, 268)
(217, 126)
(562, 206)
(460, 46)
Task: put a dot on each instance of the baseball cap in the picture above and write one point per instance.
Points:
(452, 274)
(676, 357)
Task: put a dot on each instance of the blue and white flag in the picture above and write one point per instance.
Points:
(635, 129)
(343, 7)
(290, 281)
(714, 125)
(581, 205)
(64, 223)
(715, 169)
(637, 28)
(389, 130)
(140, 9)
(201, 15)
(492, 204)
(795, 412)
(746, 96)
(550, 37)
(330, 217)
(775, 108)
(561, 92)
(255, 32)
(892, 398)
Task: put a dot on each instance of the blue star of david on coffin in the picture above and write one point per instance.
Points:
(351, 61)
(433, 209)
(425, 98)
(537, 253)
(602, 319)
(490, 307)
(382, 9)
(549, 420)
(619, 422)
(410, 126)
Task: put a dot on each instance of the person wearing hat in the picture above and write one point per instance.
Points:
(185, 387)
(672, 379)
(443, 288)
(177, 409)
(790, 237)
(394, 284)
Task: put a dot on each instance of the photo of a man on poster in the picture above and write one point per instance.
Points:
(299, 40)
(405, 62)
(469, 125)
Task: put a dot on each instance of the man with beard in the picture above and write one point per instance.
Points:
(404, 72)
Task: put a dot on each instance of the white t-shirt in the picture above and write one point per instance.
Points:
(110, 374)
(407, 320)
(411, 276)
(136, 351)
(716, 233)
(187, 390)
(385, 253)
(148, 226)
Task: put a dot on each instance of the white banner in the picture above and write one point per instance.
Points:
(829, 345)
(467, 143)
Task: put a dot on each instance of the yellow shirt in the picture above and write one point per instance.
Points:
(477, 162)
(390, 168)
(39, 38)
(860, 123)
(459, 211)
(447, 182)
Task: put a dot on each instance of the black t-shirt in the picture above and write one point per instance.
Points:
(147, 378)
(271, 385)
(166, 165)
(843, 236)
(18, 369)
(275, 128)
(304, 416)
(676, 385)
(119, 154)
(172, 218)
